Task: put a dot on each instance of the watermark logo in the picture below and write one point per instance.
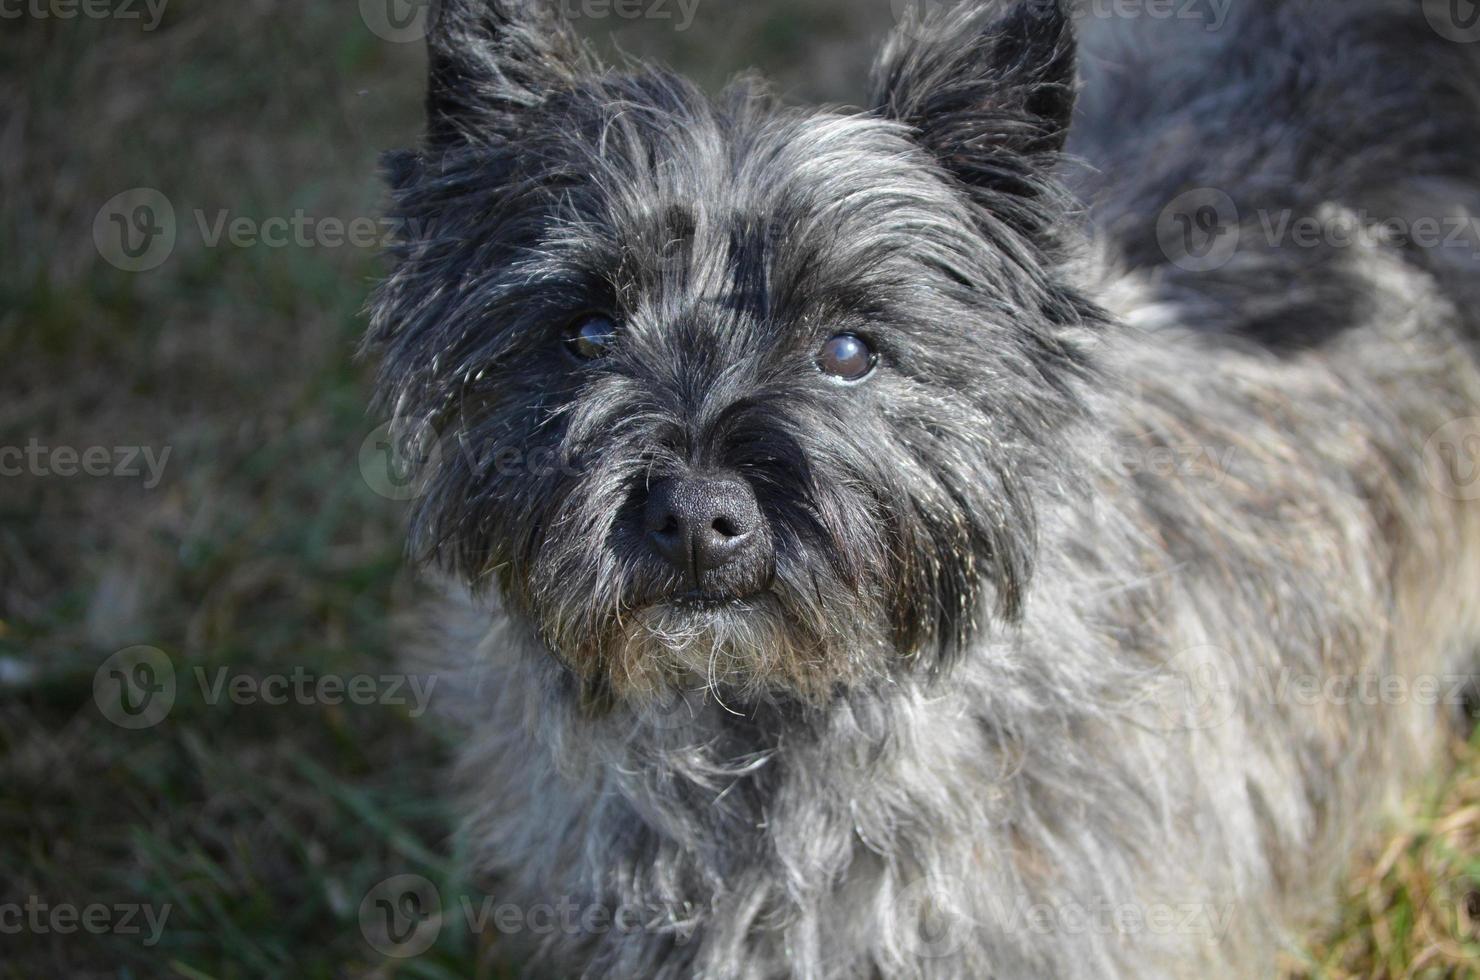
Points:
(1451, 917)
(1454, 20)
(399, 21)
(1451, 459)
(401, 917)
(135, 687)
(135, 231)
(1199, 230)
(1193, 691)
(932, 905)
(396, 458)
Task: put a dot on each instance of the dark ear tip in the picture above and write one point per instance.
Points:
(1042, 27)
(491, 61)
(988, 87)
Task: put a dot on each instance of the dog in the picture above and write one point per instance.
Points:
(891, 542)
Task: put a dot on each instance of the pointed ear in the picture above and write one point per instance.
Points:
(987, 86)
(490, 62)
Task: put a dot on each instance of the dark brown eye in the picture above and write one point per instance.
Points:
(847, 357)
(591, 337)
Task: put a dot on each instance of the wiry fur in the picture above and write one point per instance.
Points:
(959, 716)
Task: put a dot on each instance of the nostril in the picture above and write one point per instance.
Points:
(727, 527)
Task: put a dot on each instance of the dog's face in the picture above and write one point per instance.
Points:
(736, 394)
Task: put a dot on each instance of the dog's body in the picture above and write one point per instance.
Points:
(1029, 693)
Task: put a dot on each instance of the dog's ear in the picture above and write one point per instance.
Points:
(987, 86)
(491, 63)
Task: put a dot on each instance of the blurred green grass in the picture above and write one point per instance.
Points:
(264, 549)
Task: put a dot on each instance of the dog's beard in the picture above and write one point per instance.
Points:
(798, 637)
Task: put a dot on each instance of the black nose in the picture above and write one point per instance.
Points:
(702, 524)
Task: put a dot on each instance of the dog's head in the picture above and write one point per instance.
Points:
(730, 392)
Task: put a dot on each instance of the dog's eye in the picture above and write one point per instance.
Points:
(591, 337)
(847, 357)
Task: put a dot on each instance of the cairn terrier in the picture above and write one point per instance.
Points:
(968, 527)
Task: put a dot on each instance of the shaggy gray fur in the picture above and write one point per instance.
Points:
(1022, 696)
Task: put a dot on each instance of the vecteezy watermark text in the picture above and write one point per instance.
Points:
(1213, 14)
(1369, 689)
(303, 687)
(149, 11)
(409, 21)
(679, 12)
(38, 917)
(35, 459)
(300, 230)
(1355, 229)
(1183, 462)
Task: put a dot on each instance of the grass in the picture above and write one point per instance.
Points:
(1412, 908)
(263, 550)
